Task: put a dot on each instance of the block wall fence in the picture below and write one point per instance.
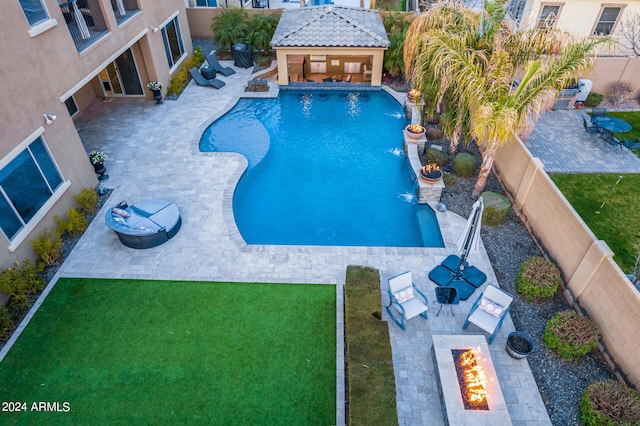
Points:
(595, 285)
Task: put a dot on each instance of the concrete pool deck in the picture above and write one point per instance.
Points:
(153, 153)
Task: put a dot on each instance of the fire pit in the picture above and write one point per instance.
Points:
(469, 387)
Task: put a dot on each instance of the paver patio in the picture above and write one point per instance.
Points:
(561, 143)
(153, 153)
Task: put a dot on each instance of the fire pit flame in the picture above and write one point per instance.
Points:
(474, 377)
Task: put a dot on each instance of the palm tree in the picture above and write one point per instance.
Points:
(229, 26)
(396, 26)
(474, 58)
(261, 30)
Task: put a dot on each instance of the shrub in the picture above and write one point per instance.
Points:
(6, 322)
(538, 279)
(465, 164)
(75, 224)
(48, 247)
(610, 403)
(593, 99)
(181, 78)
(229, 26)
(437, 156)
(264, 61)
(433, 133)
(571, 335)
(20, 282)
(618, 92)
(496, 207)
(86, 200)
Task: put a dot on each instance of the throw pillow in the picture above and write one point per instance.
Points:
(119, 220)
(404, 294)
(491, 307)
(120, 212)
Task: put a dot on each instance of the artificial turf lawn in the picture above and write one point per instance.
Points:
(618, 222)
(166, 352)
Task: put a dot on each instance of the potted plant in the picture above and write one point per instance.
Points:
(415, 131)
(431, 173)
(156, 88)
(97, 159)
(519, 345)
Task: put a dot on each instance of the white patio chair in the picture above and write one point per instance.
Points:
(403, 296)
(490, 310)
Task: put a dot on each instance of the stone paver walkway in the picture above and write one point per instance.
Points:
(561, 143)
(153, 153)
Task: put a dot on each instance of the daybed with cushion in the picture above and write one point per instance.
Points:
(145, 224)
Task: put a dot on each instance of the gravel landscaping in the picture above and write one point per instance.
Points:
(561, 383)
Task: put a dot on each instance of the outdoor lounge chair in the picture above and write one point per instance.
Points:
(403, 295)
(490, 310)
(201, 81)
(212, 60)
(598, 112)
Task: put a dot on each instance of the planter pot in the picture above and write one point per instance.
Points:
(99, 167)
(431, 177)
(157, 95)
(415, 135)
(100, 170)
(519, 345)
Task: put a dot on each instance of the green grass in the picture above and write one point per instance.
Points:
(372, 389)
(618, 222)
(166, 352)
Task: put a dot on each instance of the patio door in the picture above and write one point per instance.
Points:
(120, 77)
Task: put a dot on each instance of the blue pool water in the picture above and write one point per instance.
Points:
(325, 168)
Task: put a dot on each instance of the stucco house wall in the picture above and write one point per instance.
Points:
(43, 68)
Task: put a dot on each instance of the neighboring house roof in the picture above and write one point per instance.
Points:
(330, 26)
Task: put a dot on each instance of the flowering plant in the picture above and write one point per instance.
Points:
(415, 128)
(97, 157)
(154, 85)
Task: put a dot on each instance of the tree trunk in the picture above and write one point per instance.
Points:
(455, 140)
(488, 156)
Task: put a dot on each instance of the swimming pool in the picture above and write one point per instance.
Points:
(325, 168)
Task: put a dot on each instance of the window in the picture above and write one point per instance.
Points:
(26, 183)
(172, 41)
(209, 3)
(34, 11)
(607, 20)
(516, 8)
(70, 103)
(549, 15)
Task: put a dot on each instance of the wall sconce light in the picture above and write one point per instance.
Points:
(155, 29)
(49, 118)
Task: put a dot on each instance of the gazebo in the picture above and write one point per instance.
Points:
(330, 43)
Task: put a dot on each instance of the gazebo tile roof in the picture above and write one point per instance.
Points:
(330, 26)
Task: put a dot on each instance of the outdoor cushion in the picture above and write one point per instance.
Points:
(404, 294)
(491, 307)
